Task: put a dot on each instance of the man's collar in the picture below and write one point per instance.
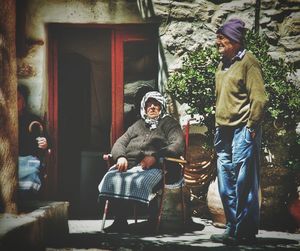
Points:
(226, 63)
(239, 55)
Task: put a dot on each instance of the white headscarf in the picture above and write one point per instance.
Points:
(154, 121)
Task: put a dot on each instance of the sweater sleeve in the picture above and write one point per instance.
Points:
(256, 94)
(119, 148)
(175, 140)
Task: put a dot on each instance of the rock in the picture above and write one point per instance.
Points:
(264, 21)
(273, 26)
(268, 4)
(293, 57)
(290, 43)
(272, 37)
(272, 12)
(290, 25)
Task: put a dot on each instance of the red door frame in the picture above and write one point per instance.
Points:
(119, 35)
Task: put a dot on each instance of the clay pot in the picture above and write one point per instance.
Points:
(174, 211)
(215, 206)
(294, 209)
(198, 173)
(277, 185)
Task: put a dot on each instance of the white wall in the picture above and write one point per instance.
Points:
(41, 12)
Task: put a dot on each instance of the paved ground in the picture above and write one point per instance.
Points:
(86, 235)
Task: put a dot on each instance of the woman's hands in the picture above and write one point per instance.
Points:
(42, 142)
(122, 164)
(147, 162)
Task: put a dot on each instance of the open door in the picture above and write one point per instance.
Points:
(96, 76)
(134, 72)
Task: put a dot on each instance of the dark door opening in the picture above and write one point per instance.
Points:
(97, 73)
(84, 111)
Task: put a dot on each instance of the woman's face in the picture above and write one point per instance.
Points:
(152, 108)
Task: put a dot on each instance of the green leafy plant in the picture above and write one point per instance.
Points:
(194, 84)
(283, 110)
(284, 96)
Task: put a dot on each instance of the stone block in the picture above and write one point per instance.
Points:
(41, 224)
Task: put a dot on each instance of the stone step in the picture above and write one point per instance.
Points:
(43, 223)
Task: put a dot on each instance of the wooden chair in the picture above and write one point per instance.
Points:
(196, 172)
(158, 194)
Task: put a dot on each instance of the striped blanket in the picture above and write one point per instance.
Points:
(134, 184)
(29, 169)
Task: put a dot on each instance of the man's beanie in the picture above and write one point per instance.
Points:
(233, 29)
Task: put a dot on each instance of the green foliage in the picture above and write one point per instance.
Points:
(283, 110)
(284, 96)
(194, 84)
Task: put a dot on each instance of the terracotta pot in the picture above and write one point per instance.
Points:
(277, 184)
(215, 206)
(198, 173)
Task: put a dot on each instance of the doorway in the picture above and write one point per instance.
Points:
(96, 76)
(84, 103)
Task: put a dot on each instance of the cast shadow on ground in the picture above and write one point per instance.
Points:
(142, 237)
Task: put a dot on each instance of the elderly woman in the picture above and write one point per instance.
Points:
(137, 154)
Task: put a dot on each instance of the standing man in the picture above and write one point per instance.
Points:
(240, 105)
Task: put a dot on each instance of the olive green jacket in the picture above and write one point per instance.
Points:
(240, 93)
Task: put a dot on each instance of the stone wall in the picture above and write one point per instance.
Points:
(185, 25)
(188, 24)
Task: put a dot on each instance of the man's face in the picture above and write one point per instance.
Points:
(152, 108)
(227, 47)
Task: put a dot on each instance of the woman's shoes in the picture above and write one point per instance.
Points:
(118, 226)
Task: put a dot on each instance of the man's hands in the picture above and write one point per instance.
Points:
(252, 132)
(147, 161)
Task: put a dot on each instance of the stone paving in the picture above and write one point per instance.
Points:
(86, 235)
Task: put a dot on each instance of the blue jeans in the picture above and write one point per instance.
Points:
(238, 178)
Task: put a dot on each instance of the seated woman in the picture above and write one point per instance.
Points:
(137, 154)
(33, 146)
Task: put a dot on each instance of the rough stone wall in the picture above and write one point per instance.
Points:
(188, 24)
(185, 25)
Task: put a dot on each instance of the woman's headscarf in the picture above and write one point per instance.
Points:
(157, 96)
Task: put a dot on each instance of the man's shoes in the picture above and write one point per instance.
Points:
(118, 226)
(219, 238)
(235, 241)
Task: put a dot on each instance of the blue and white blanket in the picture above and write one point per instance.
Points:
(29, 169)
(134, 184)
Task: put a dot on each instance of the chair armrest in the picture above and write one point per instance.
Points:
(180, 161)
(107, 156)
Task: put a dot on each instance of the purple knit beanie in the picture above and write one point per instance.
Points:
(233, 29)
